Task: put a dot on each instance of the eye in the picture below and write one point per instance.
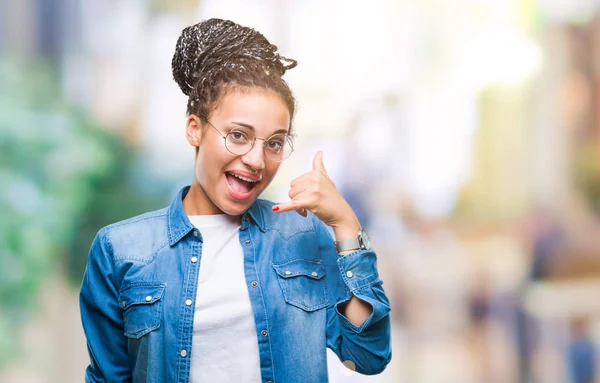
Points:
(275, 144)
(237, 136)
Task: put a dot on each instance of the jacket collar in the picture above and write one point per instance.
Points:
(179, 225)
(256, 215)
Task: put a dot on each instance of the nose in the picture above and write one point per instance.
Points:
(255, 158)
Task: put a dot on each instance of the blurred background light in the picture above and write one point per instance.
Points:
(464, 133)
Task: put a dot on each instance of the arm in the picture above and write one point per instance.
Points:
(358, 326)
(358, 323)
(102, 318)
(355, 310)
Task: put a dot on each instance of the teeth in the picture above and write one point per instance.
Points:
(244, 178)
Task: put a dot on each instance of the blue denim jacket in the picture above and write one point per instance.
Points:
(142, 270)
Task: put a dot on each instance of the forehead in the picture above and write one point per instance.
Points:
(263, 109)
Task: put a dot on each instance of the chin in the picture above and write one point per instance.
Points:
(234, 209)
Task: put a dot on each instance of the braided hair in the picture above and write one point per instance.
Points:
(215, 56)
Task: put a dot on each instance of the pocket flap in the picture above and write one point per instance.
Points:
(311, 269)
(140, 294)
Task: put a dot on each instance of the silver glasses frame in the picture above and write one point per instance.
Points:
(224, 137)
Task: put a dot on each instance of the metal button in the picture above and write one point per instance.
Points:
(148, 298)
(195, 233)
(264, 333)
(248, 242)
(349, 365)
(314, 274)
(124, 303)
(287, 272)
(183, 353)
(254, 283)
(188, 302)
(269, 381)
(246, 218)
(194, 259)
(349, 274)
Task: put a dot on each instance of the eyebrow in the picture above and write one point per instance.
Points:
(252, 127)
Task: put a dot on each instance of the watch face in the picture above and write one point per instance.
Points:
(364, 237)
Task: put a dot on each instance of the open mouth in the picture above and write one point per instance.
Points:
(241, 187)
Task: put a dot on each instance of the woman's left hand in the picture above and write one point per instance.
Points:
(315, 191)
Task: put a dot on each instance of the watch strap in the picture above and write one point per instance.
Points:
(347, 244)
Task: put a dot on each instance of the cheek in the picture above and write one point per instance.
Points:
(206, 168)
(210, 162)
(271, 171)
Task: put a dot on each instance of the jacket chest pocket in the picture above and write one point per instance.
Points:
(302, 283)
(142, 306)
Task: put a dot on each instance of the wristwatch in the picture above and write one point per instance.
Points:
(361, 241)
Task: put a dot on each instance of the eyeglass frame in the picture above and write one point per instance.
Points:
(224, 137)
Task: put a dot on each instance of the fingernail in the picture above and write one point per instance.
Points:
(275, 208)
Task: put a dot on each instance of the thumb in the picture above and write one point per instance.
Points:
(318, 162)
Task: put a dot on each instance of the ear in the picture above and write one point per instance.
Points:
(193, 130)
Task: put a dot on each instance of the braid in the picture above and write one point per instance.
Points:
(217, 54)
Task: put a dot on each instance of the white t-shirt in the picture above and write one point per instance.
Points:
(224, 344)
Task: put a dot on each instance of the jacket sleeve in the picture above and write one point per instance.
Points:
(365, 348)
(102, 318)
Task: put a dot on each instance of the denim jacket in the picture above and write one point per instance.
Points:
(141, 271)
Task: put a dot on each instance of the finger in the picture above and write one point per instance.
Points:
(301, 180)
(295, 204)
(303, 212)
(286, 206)
(295, 191)
(302, 184)
(318, 162)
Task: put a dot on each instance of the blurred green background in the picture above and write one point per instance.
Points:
(465, 133)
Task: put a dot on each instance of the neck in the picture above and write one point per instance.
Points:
(196, 202)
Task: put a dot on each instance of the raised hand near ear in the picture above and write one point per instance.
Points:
(315, 191)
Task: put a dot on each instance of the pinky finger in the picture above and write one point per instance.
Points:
(286, 206)
(297, 204)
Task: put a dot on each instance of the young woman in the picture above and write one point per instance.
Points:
(222, 286)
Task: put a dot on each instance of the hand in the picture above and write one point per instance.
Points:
(316, 192)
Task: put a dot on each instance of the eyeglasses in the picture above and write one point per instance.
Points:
(240, 141)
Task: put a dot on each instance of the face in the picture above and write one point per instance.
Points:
(222, 176)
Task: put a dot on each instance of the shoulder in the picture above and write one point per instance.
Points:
(138, 220)
(138, 237)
